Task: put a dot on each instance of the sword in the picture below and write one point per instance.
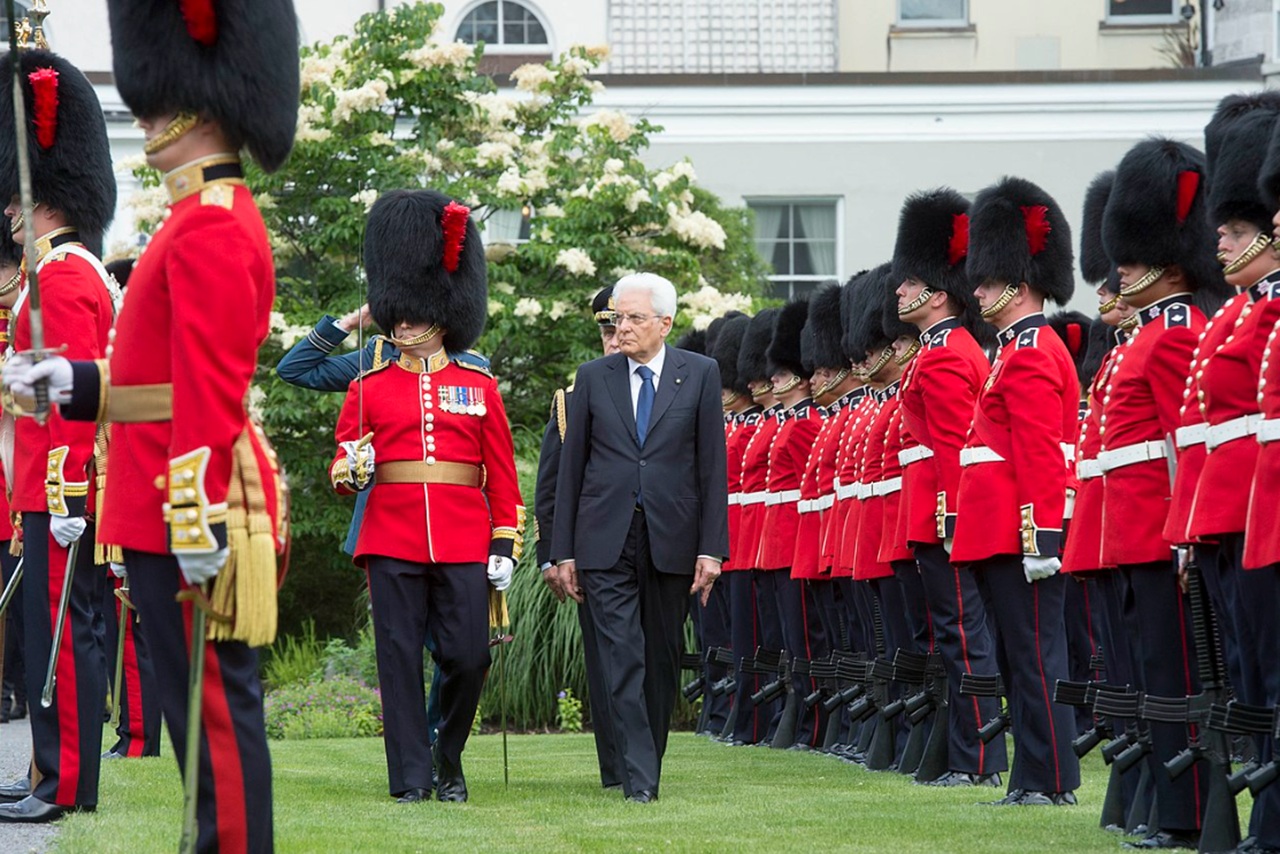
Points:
(195, 702)
(122, 626)
(10, 589)
(64, 602)
(498, 619)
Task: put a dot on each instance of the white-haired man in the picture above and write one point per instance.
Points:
(643, 464)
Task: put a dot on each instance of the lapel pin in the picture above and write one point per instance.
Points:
(677, 381)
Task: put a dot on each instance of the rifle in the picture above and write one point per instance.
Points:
(910, 670)
(1133, 743)
(977, 685)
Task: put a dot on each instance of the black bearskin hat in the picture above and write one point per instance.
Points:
(726, 345)
(752, 365)
(1102, 337)
(1156, 216)
(1095, 266)
(825, 328)
(71, 167)
(120, 270)
(1073, 328)
(10, 252)
(411, 240)
(1235, 146)
(695, 341)
(868, 332)
(602, 307)
(933, 240)
(714, 327)
(233, 60)
(784, 349)
(851, 305)
(1018, 233)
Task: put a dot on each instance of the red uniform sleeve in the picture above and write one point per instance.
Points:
(215, 349)
(1035, 421)
(349, 429)
(1168, 367)
(501, 486)
(950, 391)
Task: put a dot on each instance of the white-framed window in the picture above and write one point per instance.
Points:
(800, 240)
(933, 13)
(503, 225)
(504, 24)
(1143, 11)
(1275, 30)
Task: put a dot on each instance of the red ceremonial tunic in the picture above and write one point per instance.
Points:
(739, 429)
(808, 544)
(939, 390)
(863, 542)
(1228, 400)
(755, 472)
(433, 412)
(1262, 527)
(1141, 407)
(846, 408)
(843, 514)
(1083, 550)
(788, 454)
(53, 461)
(893, 545)
(1190, 436)
(6, 518)
(1013, 490)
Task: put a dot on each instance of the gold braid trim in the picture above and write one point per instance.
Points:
(15, 542)
(103, 553)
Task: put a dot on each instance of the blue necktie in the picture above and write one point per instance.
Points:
(644, 406)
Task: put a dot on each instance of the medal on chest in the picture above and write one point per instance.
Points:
(462, 400)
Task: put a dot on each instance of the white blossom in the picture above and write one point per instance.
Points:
(380, 139)
(527, 308)
(576, 261)
(706, 304)
(618, 124)
(349, 102)
(636, 199)
(559, 309)
(684, 169)
(510, 183)
(613, 166)
(489, 153)
(504, 288)
(575, 66)
(697, 229)
(285, 333)
(431, 55)
(320, 69)
(531, 76)
(150, 206)
(598, 52)
(366, 198)
(496, 109)
(495, 307)
(551, 211)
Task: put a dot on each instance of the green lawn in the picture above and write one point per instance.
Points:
(330, 796)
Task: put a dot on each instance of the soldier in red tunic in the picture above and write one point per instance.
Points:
(938, 395)
(193, 495)
(1014, 474)
(13, 687)
(53, 461)
(430, 436)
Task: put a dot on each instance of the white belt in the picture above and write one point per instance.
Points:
(865, 491)
(1068, 453)
(826, 502)
(844, 491)
(806, 505)
(1229, 431)
(1194, 434)
(735, 498)
(907, 456)
(1269, 430)
(1088, 469)
(748, 498)
(973, 456)
(887, 486)
(1132, 454)
(787, 496)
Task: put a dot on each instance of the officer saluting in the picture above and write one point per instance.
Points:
(429, 434)
(192, 492)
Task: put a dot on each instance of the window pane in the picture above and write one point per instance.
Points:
(931, 10)
(1140, 7)
(537, 35)
(781, 258)
(480, 24)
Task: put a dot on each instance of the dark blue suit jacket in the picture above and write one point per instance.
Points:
(681, 466)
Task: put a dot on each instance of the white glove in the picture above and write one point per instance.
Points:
(360, 464)
(21, 374)
(199, 568)
(1039, 568)
(66, 529)
(948, 544)
(500, 571)
(117, 569)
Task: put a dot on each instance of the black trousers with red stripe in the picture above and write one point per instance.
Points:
(14, 686)
(966, 643)
(67, 736)
(769, 583)
(1082, 639)
(714, 631)
(751, 722)
(1158, 621)
(803, 637)
(138, 733)
(1033, 657)
(233, 806)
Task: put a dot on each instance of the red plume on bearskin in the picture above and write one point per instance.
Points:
(958, 247)
(1188, 183)
(44, 92)
(454, 225)
(201, 19)
(1038, 227)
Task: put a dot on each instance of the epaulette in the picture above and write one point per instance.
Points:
(559, 408)
(938, 339)
(479, 369)
(1177, 316)
(1027, 338)
(378, 360)
(221, 195)
(377, 366)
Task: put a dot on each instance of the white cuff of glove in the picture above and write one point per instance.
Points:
(1040, 568)
(948, 544)
(360, 464)
(199, 568)
(500, 571)
(66, 529)
(21, 375)
(118, 570)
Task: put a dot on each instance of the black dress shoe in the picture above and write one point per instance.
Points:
(15, 791)
(414, 796)
(953, 779)
(1047, 799)
(644, 796)
(111, 754)
(452, 786)
(1250, 845)
(611, 787)
(32, 810)
(1014, 798)
(1166, 839)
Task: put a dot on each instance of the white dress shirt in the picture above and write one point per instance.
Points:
(655, 365)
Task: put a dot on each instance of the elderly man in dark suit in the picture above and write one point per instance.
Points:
(643, 465)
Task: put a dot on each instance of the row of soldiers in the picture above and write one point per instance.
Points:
(952, 515)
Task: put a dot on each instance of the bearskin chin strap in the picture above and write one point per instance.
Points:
(178, 127)
(727, 400)
(787, 386)
(432, 332)
(757, 393)
(1150, 278)
(1010, 291)
(1260, 244)
(909, 354)
(9, 286)
(833, 383)
(1110, 305)
(917, 303)
(885, 355)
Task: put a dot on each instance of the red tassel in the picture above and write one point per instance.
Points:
(1188, 183)
(958, 248)
(202, 20)
(454, 225)
(1036, 219)
(44, 92)
(1074, 337)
